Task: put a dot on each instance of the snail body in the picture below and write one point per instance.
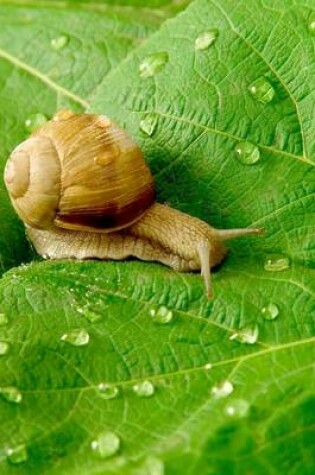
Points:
(84, 190)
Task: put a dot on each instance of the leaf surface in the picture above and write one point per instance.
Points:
(202, 107)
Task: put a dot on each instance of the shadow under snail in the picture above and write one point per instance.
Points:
(84, 190)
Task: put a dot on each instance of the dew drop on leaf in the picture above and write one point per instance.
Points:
(152, 64)
(11, 394)
(106, 444)
(311, 27)
(3, 319)
(18, 454)
(248, 334)
(208, 366)
(270, 311)
(262, 90)
(4, 348)
(77, 337)
(34, 121)
(162, 315)
(90, 314)
(206, 39)
(144, 389)
(237, 408)
(148, 124)
(276, 263)
(108, 391)
(59, 42)
(247, 153)
(224, 389)
(153, 466)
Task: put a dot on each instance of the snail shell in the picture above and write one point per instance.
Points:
(79, 171)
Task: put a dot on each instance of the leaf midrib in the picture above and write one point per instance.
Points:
(238, 360)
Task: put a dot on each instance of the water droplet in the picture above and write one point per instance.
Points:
(162, 315)
(311, 27)
(106, 444)
(144, 389)
(208, 366)
(237, 408)
(270, 311)
(34, 121)
(148, 124)
(153, 466)
(89, 314)
(17, 454)
(206, 39)
(247, 153)
(108, 156)
(59, 42)
(4, 348)
(3, 319)
(224, 389)
(11, 394)
(77, 337)
(262, 90)
(108, 391)
(152, 64)
(248, 334)
(276, 263)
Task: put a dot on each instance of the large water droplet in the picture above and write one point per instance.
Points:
(77, 337)
(162, 315)
(11, 394)
(237, 408)
(276, 263)
(247, 153)
(17, 454)
(248, 334)
(106, 444)
(4, 348)
(34, 121)
(3, 319)
(270, 311)
(144, 389)
(59, 42)
(108, 391)
(224, 389)
(152, 64)
(262, 90)
(206, 39)
(311, 26)
(148, 123)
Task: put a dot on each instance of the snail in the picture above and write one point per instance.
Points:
(83, 189)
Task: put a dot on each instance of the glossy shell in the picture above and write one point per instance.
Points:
(79, 171)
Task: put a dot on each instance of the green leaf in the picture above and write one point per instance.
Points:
(222, 386)
(183, 425)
